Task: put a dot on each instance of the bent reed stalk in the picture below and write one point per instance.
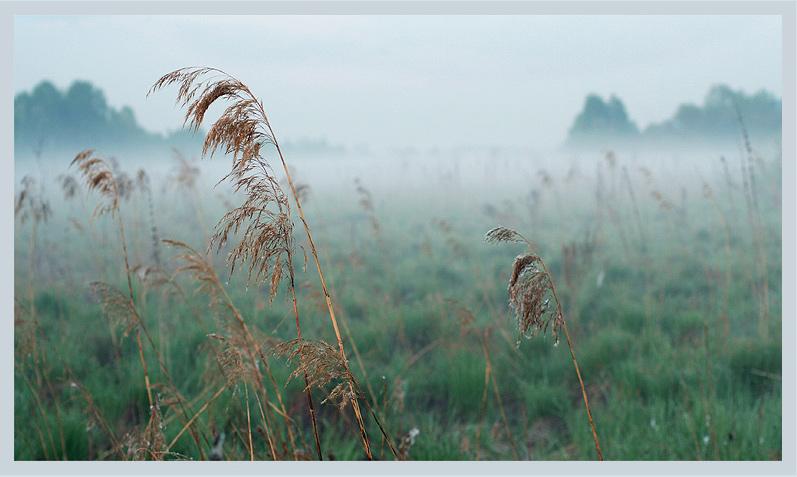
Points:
(531, 289)
(243, 130)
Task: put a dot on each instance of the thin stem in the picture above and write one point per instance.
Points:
(575, 363)
(327, 297)
(142, 327)
(497, 395)
(308, 393)
(195, 417)
(249, 424)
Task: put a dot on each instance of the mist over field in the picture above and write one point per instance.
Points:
(527, 245)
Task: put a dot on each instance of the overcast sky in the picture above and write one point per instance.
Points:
(401, 80)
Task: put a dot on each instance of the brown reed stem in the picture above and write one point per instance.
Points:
(251, 343)
(308, 393)
(196, 416)
(40, 409)
(327, 297)
(249, 424)
(575, 364)
(144, 366)
(140, 322)
(497, 394)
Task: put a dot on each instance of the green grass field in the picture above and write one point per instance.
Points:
(664, 296)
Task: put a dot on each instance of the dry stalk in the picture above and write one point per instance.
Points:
(708, 193)
(754, 217)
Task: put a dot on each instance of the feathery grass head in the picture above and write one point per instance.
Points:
(199, 267)
(265, 232)
(323, 365)
(30, 203)
(231, 359)
(531, 290)
(263, 220)
(532, 298)
(242, 129)
(367, 203)
(116, 306)
(150, 443)
(504, 234)
(99, 177)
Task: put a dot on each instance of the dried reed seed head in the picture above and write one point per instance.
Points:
(151, 442)
(367, 203)
(264, 228)
(30, 204)
(532, 299)
(232, 353)
(323, 365)
(201, 270)
(263, 220)
(151, 275)
(503, 234)
(233, 364)
(116, 306)
(242, 127)
(99, 177)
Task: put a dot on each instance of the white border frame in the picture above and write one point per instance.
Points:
(785, 9)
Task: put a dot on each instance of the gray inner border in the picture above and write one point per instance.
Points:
(784, 9)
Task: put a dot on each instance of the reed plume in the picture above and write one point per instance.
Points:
(322, 365)
(367, 203)
(30, 203)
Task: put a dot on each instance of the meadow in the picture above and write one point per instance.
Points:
(147, 345)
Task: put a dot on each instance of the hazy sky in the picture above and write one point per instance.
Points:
(399, 80)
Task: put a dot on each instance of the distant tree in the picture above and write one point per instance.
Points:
(79, 117)
(606, 123)
(717, 118)
(602, 120)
